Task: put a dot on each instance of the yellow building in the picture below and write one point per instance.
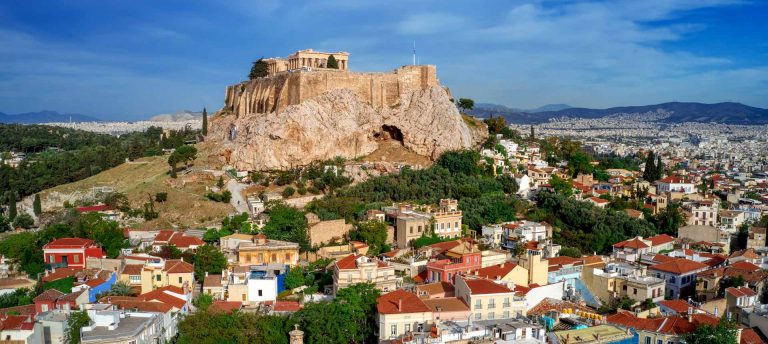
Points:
(360, 269)
(266, 251)
(156, 273)
(488, 300)
(537, 267)
(401, 313)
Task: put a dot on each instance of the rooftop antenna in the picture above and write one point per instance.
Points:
(414, 53)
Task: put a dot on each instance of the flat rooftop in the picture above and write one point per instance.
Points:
(128, 327)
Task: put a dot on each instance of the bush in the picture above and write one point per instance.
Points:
(313, 190)
(161, 197)
(288, 192)
(302, 191)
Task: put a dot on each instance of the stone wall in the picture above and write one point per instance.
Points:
(326, 231)
(276, 92)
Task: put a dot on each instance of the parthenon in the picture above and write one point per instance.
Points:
(306, 58)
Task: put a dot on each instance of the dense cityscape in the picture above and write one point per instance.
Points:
(351, 196)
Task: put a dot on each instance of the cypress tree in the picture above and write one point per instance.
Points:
(258, 70)
(37, 206)
(205, 122)
(649, 173)
(332, 63)
(659, 168)
(12, 206)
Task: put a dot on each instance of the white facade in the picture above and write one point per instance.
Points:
(262, 289)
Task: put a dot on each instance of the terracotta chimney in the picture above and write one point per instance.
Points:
(399, 304)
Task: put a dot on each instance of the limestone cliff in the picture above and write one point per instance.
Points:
(280, 122)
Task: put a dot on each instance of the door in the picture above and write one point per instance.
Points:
(65, 260)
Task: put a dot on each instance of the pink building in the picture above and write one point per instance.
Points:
(462, 258)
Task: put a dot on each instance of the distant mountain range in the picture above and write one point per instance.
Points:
(548, 107)
(728, 113)
(44, 116)
(181, 116)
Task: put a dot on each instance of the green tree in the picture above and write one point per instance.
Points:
(75, 321)
(220, 182)
(332, 63)
(288, 192)
(161, 197)
(373, 233)
(649, 173)
(219, 327)
(508, 183)
(121, 288)
(561, 186)
(205, 122)
(203, 301)
(579, 162)
(12, 212)
(659, 168)
(669, 219)
(466, 104)
(294, 278)
(570, 252)
(286, 223)
(211, 236)
(183, 154)
(5, 224)
(208, 259)
(724, 332)
(258, 70)
(23, 220)
(37, 206)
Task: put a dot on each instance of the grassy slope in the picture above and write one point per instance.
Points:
(186, 206)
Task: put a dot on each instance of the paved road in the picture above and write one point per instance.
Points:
(237, 201)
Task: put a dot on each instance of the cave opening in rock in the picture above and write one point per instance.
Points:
(389, 133)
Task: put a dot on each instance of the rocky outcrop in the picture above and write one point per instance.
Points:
(337, 122)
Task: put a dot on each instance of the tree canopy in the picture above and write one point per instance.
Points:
(258, 70)
(332, 63)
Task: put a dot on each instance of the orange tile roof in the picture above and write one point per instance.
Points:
(661, 239)
(348, 262)
(132, 269)
(50, 295)
(129, 302)
(746, 266)
(441, 287)
(748, 253)
(634, 243)
(484, 286)
(225, 306)
(740, 292)
(749, 336)
(286, 306)
(178, 266)
(183, 241)
(69, 243)
(399, 302)
(495, 271)
(677, 305)
(679, 266)
(448, 304)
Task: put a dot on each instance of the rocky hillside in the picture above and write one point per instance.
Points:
(338, 122)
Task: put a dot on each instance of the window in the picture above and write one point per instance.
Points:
(261, 257)
(491, 316)
(287, 257)
(479, 304)
(181, 280)
(51, 258)
(369, 276)
(243, 297)
(506, 314)
(634, 291)
(349, 278)
(491, 304)
(506, 302)
(274, 257)
(456, 225)
(419, 228)
(659, 341)
(134, 278)
(407, 328)
(393, 331)
(158, 278)
(478, 316)
(44, 307)
(76, 258)
(647, 340)
(260, 292)
(248, 258)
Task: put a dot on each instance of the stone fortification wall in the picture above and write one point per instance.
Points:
(275, 93)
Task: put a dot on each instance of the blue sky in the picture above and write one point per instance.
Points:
(134, 59)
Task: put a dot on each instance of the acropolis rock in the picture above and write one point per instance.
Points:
(293, 118)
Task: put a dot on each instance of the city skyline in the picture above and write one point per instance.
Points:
(120, 61)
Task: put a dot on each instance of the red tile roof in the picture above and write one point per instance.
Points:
(740, 292)
(673, 325)
(495, 271)
(225, 306)
(746, 266)
(93, 283)
(599, 200)
(164, 236)
(677, 305)
(178, 266)
(661, 239)
(182, 241)
(399, 302)
(21, 310)
(633, 243)
(484, 286)
(50, 295)
(286, 306)
(679, 266)
(128, 302)
(69, 243)
(749, 336)
(59, 274)
(348, 262)
(132, 269)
